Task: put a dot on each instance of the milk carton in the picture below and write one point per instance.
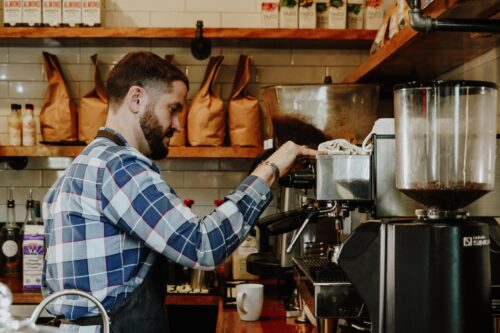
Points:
(374, 14)
(270, 14)
(32, 13)
(289, 14)
(355, 13)
(322, 14)
(337, 14)
(33, 252)
(51, 13)
(12, 13)
(91, 13)
(72, 13)
(307, 14)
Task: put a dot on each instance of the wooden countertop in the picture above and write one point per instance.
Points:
(272, 320)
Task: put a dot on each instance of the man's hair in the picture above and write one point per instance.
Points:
(143, 69)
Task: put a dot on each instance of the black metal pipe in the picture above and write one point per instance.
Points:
(422, 23)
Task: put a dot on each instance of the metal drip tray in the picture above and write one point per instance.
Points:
(326, 290)
(319, 270)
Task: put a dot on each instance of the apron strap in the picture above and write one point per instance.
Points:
(103, 133)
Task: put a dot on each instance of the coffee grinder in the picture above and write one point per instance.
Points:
(432, 274)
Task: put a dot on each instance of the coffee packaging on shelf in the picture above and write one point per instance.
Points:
(58, 113)
(243, 110)
(51, 13)
(32, 13)
(12, 13)
(355, 13)
(337, 14)
(206, 117)
(72, 13)
(374, 14)
(91, 13)
(307, 14)
(93, 108)
(270, 14)
(289, 14)
(179, 139)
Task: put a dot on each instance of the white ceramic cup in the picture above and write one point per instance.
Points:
(249, 300)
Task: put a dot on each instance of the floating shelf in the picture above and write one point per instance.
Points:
(180, 33)
(174, 152)
(412, 55)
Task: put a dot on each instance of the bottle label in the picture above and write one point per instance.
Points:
(9, 248)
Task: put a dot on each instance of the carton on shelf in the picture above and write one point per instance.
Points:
(355, 13)
(307, 14)
(289, 14)
(270, 14)
(337, 14)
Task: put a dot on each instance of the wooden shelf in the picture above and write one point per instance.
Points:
(27, 298)
(411, 55)
(175, 152)
(180, 33)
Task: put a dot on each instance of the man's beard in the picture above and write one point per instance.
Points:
(154, 134)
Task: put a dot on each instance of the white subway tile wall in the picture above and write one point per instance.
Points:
(22, 80)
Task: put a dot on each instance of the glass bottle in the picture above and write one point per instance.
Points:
(38, 213)
(9, 240)
(30, 218)
(15, 125)
(32, 248)
(29, 125)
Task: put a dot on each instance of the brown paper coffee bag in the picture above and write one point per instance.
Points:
(206, 119)
(243, 110)
(179, 138)
(93, 108)
(58, 113)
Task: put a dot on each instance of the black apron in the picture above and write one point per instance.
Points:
(143, 310)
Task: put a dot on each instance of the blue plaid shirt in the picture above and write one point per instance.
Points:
(111, 213)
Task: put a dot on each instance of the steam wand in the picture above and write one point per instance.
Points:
(312, 215)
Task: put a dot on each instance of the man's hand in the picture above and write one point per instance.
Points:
(284, 159)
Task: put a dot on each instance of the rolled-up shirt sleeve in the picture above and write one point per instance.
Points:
(136, 199)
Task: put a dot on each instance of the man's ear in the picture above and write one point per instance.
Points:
(135, 98)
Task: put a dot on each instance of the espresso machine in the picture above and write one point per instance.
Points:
(417, 246)
(433, 273)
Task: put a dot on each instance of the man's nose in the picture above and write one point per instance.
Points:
(176, 122)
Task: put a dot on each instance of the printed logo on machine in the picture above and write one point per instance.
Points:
(472, 241)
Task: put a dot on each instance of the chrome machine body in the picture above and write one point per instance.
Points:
(362, 188)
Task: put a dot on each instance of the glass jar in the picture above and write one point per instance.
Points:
(445, 141)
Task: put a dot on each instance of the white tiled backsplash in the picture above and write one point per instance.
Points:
(22, 80)
(202, 180)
